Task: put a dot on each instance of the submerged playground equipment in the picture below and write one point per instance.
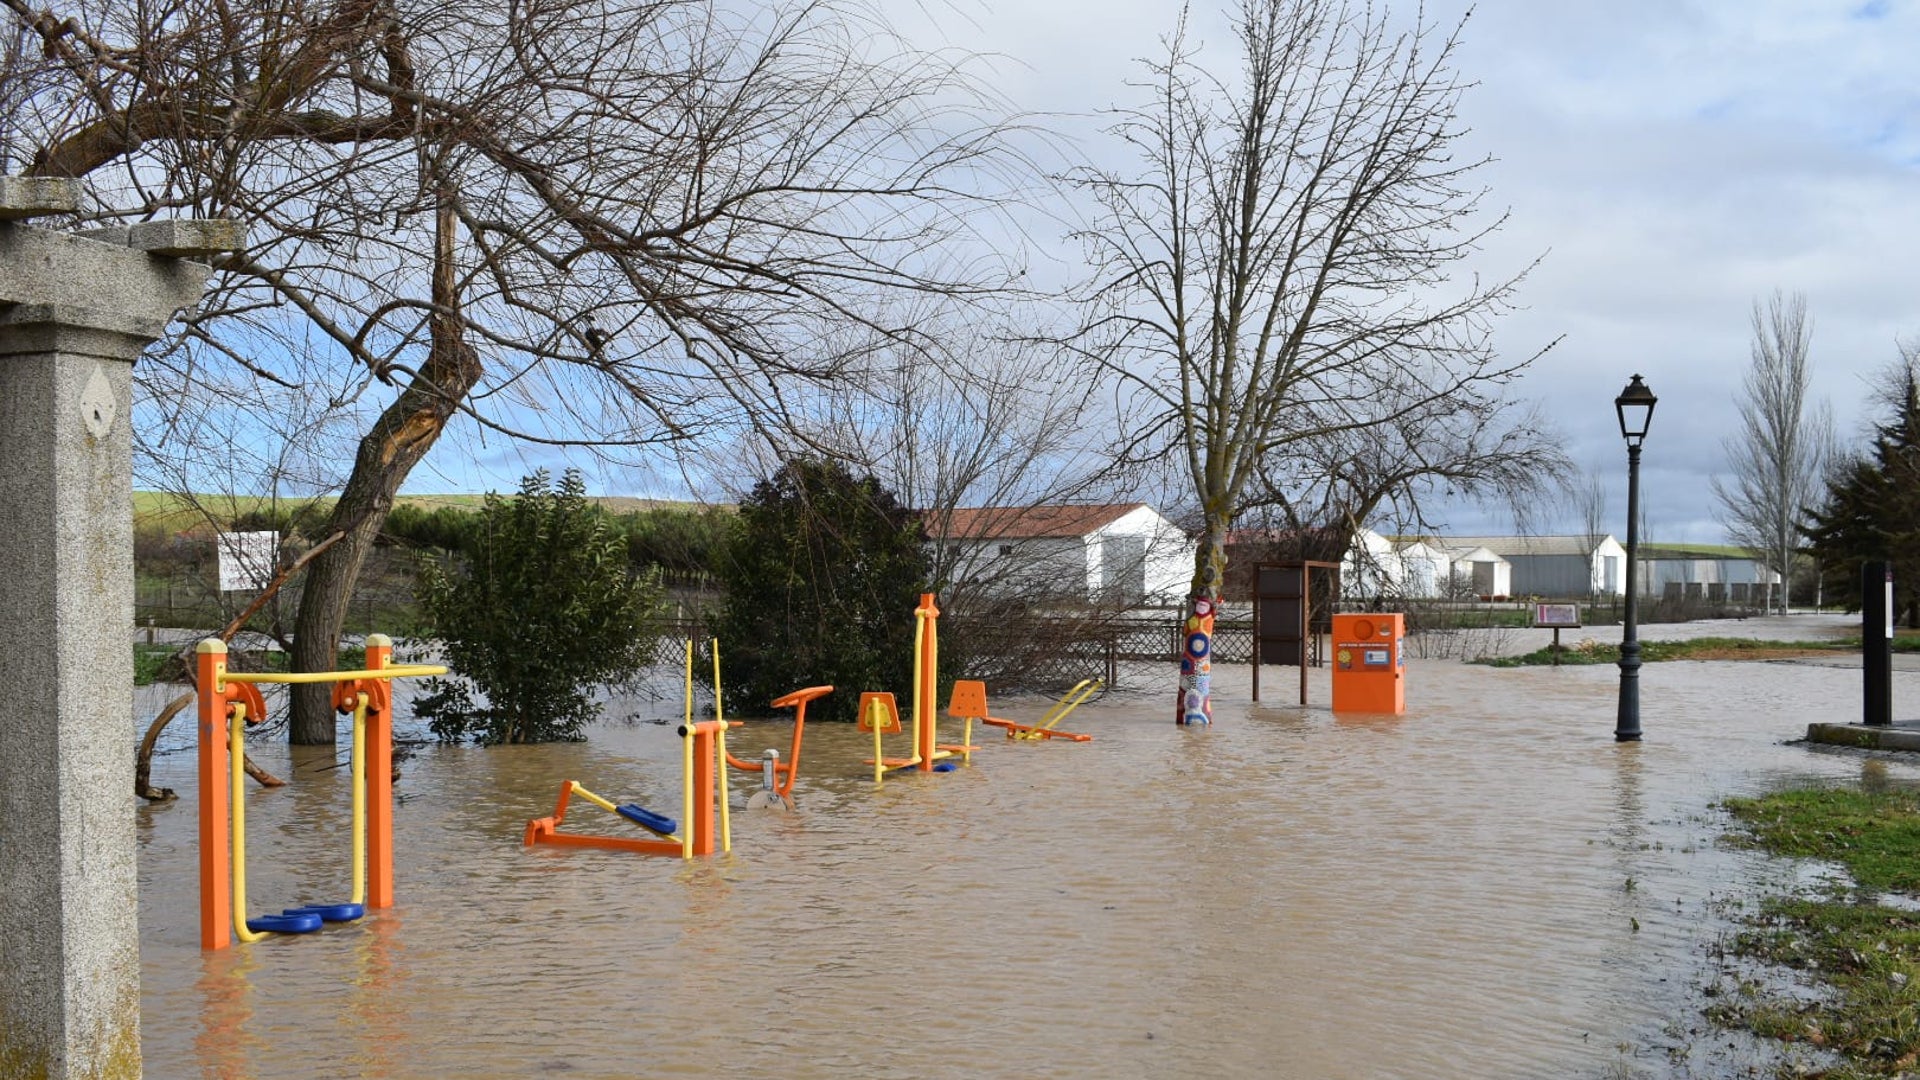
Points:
(228, 702)
(1047, 726)
(881, 716)
(776, 776)
(703, 783)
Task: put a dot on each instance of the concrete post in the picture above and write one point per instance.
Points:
(74, 313)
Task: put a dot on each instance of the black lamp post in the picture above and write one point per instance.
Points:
(1635, 406)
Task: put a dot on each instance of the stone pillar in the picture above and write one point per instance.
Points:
(74, 313)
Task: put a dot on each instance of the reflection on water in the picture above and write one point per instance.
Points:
(1487, 886)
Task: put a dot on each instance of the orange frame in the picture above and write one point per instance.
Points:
(785, 772)
(216, 820)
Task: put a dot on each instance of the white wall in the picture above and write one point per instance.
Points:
(1609, 549)
(1168, 569)
(1039, 567)
(1138, 554)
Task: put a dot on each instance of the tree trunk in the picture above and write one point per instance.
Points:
(1195, 705)
(399, 439)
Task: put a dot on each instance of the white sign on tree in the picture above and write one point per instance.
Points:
(247, 560)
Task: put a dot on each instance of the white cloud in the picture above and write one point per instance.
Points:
(1675, 161)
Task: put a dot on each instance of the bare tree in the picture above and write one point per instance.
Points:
(1279, 260)
(1396, 474)
(1775, 463)
(995, 426)
(1589, 502)
(622, 224)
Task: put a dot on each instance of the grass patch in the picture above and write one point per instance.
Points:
(1705, 648)
(1875, 835)
(171, 663)
(1862, 955)
(148, 660)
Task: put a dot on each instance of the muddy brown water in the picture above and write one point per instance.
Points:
(1488, 886)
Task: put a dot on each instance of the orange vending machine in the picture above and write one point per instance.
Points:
(1369, 664)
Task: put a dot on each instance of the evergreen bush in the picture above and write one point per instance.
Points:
(820, 585)
(542, 611)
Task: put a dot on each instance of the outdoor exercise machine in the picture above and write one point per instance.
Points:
(703, 747)
(228, 702)
(776, 776)
(1047, 726)
(880, 715)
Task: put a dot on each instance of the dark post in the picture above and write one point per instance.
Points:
(1256, 634)
(1627, 727)
(1635, 408)
(1876, 642)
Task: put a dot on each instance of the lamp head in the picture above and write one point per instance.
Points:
(1635, 408)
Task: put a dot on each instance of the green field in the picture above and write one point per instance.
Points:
(175, 512)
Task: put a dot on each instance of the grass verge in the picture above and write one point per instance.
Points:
(170, 663)
(1860, 955)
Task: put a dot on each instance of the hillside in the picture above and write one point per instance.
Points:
(173, 512)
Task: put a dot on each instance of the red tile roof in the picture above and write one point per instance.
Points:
(1024, 522)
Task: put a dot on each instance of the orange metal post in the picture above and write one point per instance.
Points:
(926, 718)
(379, 759)
(216, 900)
(706, 750)
(702, 780)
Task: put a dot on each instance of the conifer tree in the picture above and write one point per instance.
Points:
(1872, 509)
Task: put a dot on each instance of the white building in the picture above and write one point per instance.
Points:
(1553, 567)
(1421, 568)
(1479, 571)
(1121, 554)
(1706, 571)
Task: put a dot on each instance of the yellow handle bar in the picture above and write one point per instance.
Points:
(397, 671)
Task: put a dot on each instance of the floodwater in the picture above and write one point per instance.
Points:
(1488, 886)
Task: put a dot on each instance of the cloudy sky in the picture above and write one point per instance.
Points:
(1671, 160)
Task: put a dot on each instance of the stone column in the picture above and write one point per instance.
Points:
(74, 313)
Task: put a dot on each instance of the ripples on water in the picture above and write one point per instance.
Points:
(1289, 894)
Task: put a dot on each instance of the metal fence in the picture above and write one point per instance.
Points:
(187, 596)
(1041, 653)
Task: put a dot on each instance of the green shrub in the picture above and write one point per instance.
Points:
(820, 583)
(685, 543)
(449, 528)
(542, 611)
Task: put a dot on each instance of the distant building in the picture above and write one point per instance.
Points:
(1557, 566)
(1121, 554)
(1477, 570)
(1249, 548)
(1708, 572)
(1427, 567)
(1422, 568)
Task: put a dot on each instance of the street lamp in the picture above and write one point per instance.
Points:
(1635, 407)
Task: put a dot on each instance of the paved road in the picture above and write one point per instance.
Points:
(1764, 628)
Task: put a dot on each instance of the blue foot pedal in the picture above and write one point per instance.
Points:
(284, 924)
(330, 912)
(646, 818)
